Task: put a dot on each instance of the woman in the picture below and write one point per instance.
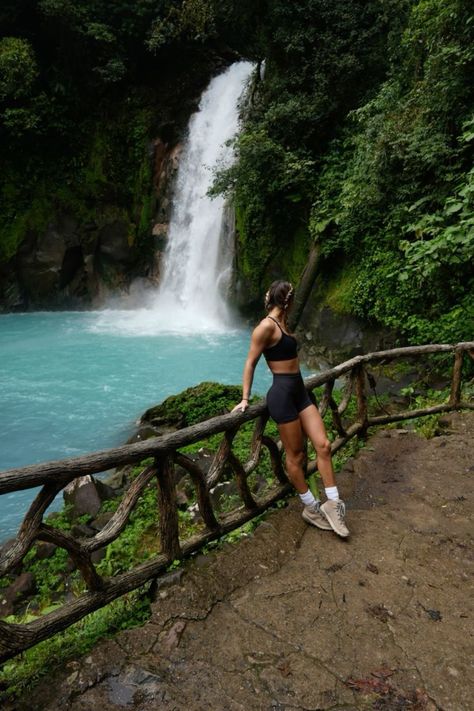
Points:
(293, 409)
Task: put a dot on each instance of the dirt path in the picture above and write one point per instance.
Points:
(295, 618)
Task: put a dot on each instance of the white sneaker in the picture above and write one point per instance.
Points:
(313, 515)
(335, 512)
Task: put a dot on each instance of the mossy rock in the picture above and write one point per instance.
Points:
(193, 405)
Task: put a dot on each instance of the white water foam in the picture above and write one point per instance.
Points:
(197, 269)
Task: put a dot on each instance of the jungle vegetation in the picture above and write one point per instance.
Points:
(359, 136)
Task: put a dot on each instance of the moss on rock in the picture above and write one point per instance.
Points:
(193, 405)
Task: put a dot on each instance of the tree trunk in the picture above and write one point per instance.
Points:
(306, 284)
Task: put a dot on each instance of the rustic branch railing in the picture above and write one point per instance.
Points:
(54, 476)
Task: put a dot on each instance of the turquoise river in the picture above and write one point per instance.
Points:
(76, 382)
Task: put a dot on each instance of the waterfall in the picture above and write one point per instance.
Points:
(199, 255)
(196, 268)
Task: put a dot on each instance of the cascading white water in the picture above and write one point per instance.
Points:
(197, 264)
(198, 260)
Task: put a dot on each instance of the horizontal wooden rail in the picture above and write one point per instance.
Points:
(165, 454)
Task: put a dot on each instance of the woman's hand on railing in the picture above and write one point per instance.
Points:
(242, 406)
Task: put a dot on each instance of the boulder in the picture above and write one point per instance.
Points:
(22, 586)
(82, 495)
(104, 490)
(328, 337)
(113, 244)
(81, 530)
(119, 478)
(3, 551)
(45, 550)
(40, 260)
(101, 520)
(98, 555)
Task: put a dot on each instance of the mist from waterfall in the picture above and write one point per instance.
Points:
(196, 268)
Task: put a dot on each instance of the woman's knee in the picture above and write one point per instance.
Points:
(323, 449)
(295, 458)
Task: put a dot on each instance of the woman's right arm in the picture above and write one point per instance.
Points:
(261, 336)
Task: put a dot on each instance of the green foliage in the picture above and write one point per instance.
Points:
(49, 575)
(426, 426)
(321, 60)
(191, 19)
(18, 68)
(195, 404)
(394, 194)
(138, 541)
(80, 97)
(18, 676)
(362, 132)
(443, 240)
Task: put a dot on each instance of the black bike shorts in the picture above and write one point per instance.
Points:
(287, 397)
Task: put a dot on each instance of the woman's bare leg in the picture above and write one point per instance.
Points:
(313, 425)
(334, 508)
(293, 441)
(291, 436)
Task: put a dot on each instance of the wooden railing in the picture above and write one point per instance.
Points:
(165, 451)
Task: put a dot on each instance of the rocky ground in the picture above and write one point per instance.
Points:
(295, 618)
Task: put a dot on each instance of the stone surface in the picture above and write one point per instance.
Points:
(22, 586)
(328, 337)
(83, 496)
(44, 550)
(293, 617)
(101, 520)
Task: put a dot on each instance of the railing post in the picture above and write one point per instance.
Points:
(361, 400)
(169, 522)
(455, 396)
(202, 493)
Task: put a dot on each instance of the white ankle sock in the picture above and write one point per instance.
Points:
(332, 493)
(307, 498)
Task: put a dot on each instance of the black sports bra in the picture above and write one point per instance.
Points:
(284, 349)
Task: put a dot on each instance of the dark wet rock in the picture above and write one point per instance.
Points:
(119, 478)
(182, 499)
(83, 497)
(101, 520)
(113, 244)
(45, 550)
(82, 530)
(203, 458)
(98, 555)
(22, 586)
(146, 431)
(330, 337)
(104, 490)
(40, 260)
(7, 599)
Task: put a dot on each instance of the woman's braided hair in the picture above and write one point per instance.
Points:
(279, 294)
